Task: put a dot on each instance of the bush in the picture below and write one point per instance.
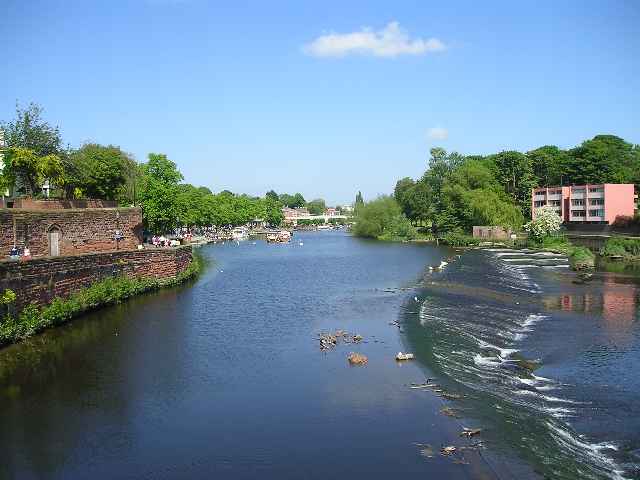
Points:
(111, 290)
(628, 248)
(457, 239)
(546, 223)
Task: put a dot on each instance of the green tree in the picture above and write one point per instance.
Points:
(383, 219)
(603, 159)
(515, 174)
(101, 171)
(317, 206)
(32, 169)
(158, 193)
(272, 195)
(358, 204)
(549, 164)
(29, 130)
(273, 212)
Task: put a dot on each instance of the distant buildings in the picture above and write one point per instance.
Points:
(600, 203)
(293, 213)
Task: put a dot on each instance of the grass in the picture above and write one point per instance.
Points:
(33, 318)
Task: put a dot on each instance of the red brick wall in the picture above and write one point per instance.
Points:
(40, 280)
(58, 204)
(82, 230)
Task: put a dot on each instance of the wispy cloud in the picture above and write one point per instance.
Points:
(437, 133)
(391, 41)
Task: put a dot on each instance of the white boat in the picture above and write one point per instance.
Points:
(282, 236)
(240, 233)
(325, 227)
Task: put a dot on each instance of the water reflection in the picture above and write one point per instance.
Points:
(616, 298)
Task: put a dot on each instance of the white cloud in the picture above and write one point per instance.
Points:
(437, 133)
(391, 41)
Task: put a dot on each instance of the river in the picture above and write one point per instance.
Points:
(224, 378)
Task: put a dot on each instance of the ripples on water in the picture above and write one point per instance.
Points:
(521, 338)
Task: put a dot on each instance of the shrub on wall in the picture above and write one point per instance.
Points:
(33, 319)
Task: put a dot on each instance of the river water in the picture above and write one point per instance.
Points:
(224, 377)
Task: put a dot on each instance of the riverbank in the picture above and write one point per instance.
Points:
(34, 318)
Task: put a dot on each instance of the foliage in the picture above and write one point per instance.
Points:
(604, 159)
(359, 203)
(100, 171)
(548, 163)
(28, 130)
(31, 168)
(7, 297)
(546, 223)
(383, 219)
(628, 248)
(456, 239)
(317, 206)
(515, 173)
(111, 290)
(581, 258)
(292, 201)
(310, 221)
(158, 193)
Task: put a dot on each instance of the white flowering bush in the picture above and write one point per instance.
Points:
(547, 222)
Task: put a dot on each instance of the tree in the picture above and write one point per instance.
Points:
(359, 203)
(549, 164)
(158, 193)
(101, 171)
(514, 173)
(28, 130)
(292, 201)
(272, 195)
(30, 170)
(603, 159)
(546, 223)
(273, 212)
(382, 218)
(33, 151)
(317, 206)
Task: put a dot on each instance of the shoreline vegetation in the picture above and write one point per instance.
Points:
(34, 319)
(457, 192)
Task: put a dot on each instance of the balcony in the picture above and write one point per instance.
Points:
(554, 197)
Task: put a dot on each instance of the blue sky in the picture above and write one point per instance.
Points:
(327, 97)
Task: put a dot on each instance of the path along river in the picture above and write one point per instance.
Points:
(224, 378)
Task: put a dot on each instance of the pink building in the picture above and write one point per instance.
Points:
(600, 203)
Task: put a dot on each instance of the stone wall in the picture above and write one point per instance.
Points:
(55, 203)
(40, 280)
(491, 232)
(79, 230)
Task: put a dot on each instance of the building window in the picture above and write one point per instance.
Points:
(539, 194)
(596, 213)
(577, 202)
(555, 203)
(558, 192)
(578, 213)
(578, 190)
(596, 189)
(539, 204)
(596, 201)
